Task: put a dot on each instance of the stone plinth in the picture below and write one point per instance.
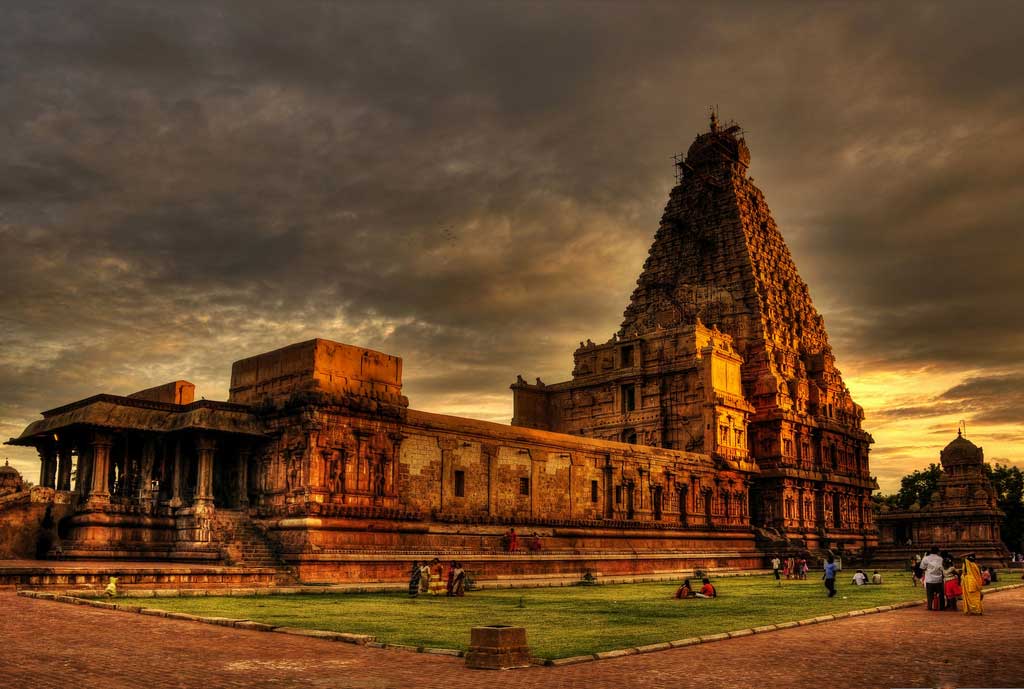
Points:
(497, 647)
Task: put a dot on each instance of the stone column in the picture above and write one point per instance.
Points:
(243, 477)
(64, 466)
(176, 475)
(83, 476)
(146, 466)
(100, 491)
(204, 473)
(47, 466)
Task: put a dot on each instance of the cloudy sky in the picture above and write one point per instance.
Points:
(474, 186)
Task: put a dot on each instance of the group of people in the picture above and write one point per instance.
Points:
(945, 584)
(429, 577)
(511, 541)
(791, 568)
(861, 579)
(707, 590)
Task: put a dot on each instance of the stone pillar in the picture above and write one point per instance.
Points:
(64, 467)
(100, 490)
(243, 477)
(204, 473)
(83, 476)
(176, 475)
(47, 466)
(146, 466)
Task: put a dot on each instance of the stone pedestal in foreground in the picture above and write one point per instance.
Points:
(497, 647)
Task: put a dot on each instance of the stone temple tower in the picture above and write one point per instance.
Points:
(722, 351)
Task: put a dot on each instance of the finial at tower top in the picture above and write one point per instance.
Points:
(714, 120)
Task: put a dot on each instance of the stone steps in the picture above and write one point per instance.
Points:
(244, 541)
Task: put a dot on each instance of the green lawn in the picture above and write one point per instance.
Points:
(560, 622)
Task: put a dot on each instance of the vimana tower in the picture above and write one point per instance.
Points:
(719, 281)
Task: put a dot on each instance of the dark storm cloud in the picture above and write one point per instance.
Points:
(474, 186)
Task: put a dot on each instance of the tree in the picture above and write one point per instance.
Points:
(918, 487)
(1008, 482)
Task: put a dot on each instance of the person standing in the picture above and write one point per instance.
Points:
(951, 585)
(830, 575)
(414, 580)
(437, 578)
(458, 580)
(425, 577)
(450, 587)
(970, 582)
(776, 563)
(934, 581)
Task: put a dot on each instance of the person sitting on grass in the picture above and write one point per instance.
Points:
(860, 578)
(876, 578)
(684, 590)
(707, 590)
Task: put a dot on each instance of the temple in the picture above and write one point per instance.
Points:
(711, 429)
(721, 352)
(961, 514)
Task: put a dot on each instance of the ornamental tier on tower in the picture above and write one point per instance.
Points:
(721, 351)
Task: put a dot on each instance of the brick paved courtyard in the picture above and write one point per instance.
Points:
(47, 644)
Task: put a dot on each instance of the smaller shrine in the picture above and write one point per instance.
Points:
(962, 515)
(10, 480)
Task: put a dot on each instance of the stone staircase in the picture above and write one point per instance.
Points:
(242, 541)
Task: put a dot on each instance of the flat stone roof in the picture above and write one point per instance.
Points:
(116, 412)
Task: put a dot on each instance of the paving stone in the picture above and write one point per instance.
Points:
(714, 637)
(651, 648)
(254, 626)
(619, 653)
(154, 612)
(572, 660)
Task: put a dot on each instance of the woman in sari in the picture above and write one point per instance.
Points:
(414, 580)
(458, 579)
(951, 584)
(424, 577)
(970, 582)
(450, 586)
(437, 580)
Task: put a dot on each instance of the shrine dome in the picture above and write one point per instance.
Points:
(10, 479)
(961, 451)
